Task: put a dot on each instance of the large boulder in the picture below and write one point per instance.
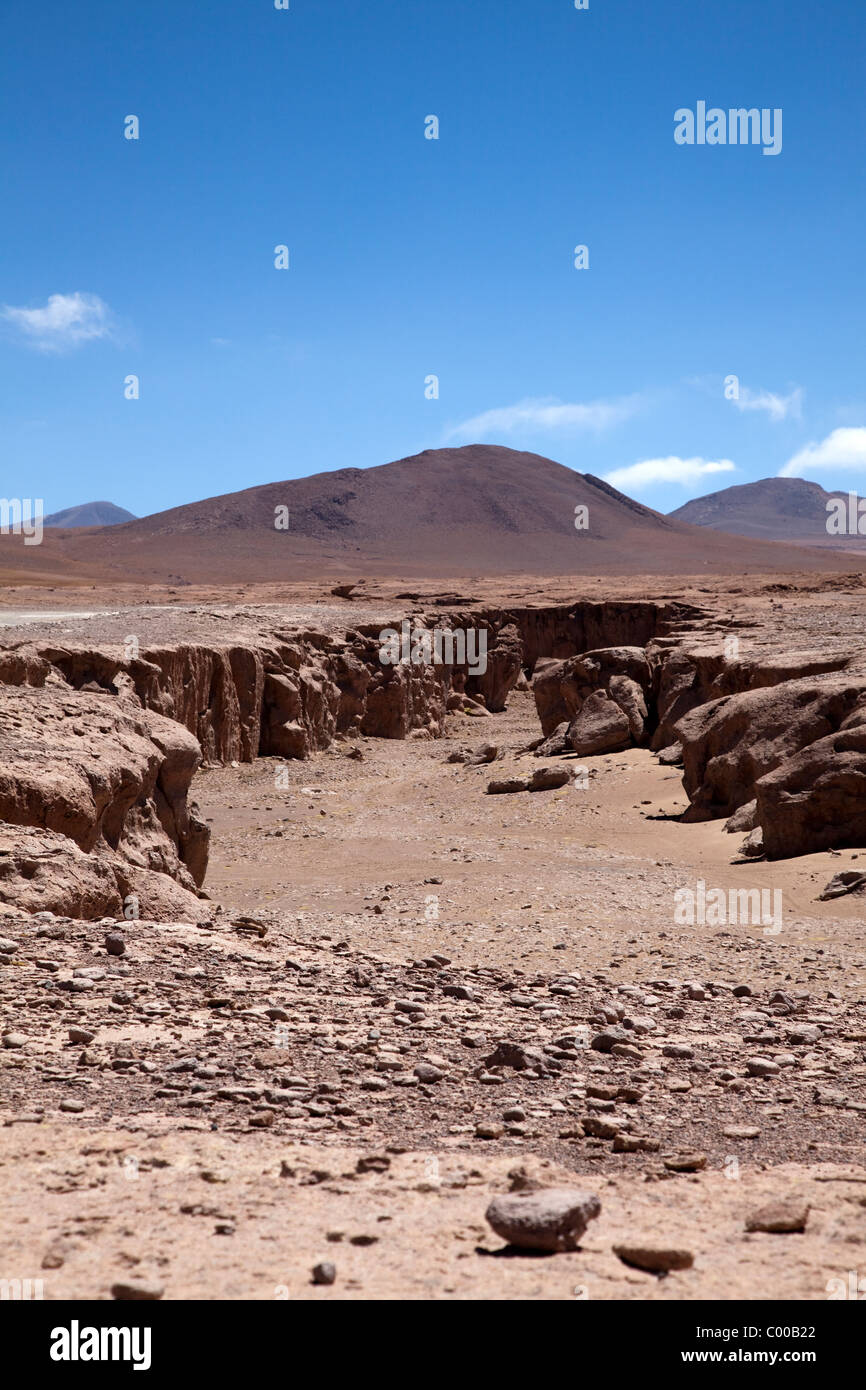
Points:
(816, 800)
(600, 727)
(623, 673)
(42, 870)
(730, 744)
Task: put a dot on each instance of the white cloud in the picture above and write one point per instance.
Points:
(548, 413)
(844, 448)
(667, 470)
(777, 407)
(66, 321)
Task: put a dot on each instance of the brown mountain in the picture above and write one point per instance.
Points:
(774, 509)
(476, 510)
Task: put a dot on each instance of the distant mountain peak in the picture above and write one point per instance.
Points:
(90, 514)
(772, 509)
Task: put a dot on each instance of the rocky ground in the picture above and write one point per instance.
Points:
(214, 1112)
(404, 997)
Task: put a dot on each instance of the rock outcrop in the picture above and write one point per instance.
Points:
(816, 799)
(690, 676)
(770, 740)
(729, 744)
(101, 780)
(601, 697)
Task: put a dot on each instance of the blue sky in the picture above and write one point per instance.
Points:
(411, 257)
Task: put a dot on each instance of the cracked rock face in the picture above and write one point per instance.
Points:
(816, 799)
(730, 743)
(93, 801)
(100, 746)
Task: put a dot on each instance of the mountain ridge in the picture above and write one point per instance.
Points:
(475, 510)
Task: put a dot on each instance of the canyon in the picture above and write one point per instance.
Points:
(271, 949)
(102, 739)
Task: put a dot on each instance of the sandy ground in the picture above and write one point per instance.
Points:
(205, 1216)
(582, 877)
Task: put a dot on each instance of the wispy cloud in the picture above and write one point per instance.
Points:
(844, 448)
(667, 470)
(548, 414)
(66, 321)
(777, 407)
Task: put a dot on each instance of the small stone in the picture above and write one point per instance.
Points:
(823, 1095)
(602, 1126)
(502, 786)
(373, 1163)
(549, 778)
(428, 1074)
(517, 1056)
(626, 1051)
(551, 1218)
(741, 992)
(762, 1066)
(324, 1273)
(803, 1035)
(779, 1218)
(686, 1163)
(679, 1050)
(635, 1144)
(656, 1259)
(741, 1132)
(605, 1041)
(15, 1040)
(71, 1106)
(626, 1144)
(137, 1291)
(81, 1035)
(114, 943)
(486, 1129)
(459, 992)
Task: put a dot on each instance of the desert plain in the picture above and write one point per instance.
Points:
(298, 976)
